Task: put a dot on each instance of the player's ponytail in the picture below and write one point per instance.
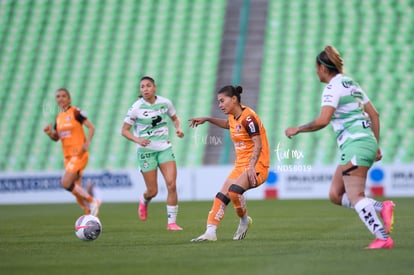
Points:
(331, 59)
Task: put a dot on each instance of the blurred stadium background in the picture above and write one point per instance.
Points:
(99, 49)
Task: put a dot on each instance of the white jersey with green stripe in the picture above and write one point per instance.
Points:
(150, 121)
(349, 120)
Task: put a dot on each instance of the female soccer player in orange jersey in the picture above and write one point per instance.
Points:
(251, 165)
(68, 129)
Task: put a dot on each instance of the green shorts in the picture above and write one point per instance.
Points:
(150, 160)
(361, 152)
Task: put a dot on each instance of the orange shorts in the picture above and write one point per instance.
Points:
(261, 171)
(75, 164)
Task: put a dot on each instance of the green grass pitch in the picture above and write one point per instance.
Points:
(287, 237)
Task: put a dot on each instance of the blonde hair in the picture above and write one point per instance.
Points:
(331, 58)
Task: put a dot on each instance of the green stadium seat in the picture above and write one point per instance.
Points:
(102, 50)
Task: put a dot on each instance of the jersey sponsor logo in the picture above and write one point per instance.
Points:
(159, 132)
(239, 145)
(64, 134)
(366, 124)
(144, 155)
(327, 98)
(156, 120)
(357, 93)
(252, 127)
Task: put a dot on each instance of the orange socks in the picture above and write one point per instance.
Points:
(83, 205)
(218, 209)
(79, 192)
(237, 198)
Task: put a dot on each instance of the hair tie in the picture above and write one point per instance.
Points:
(327, 65)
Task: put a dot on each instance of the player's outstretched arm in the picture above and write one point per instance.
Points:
(315, 125)
(222, 123)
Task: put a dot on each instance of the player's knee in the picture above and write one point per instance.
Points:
(171, 186)
(151, 192)
(335, 198)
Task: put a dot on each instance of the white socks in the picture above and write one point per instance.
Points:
(244, 219)
(145, 201)
(211, 229)
(345, 202)
(368, 216)
(172, 211)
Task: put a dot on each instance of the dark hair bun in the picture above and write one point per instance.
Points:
(238, 89)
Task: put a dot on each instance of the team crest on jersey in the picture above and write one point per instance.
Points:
(346, 82)
(163, 110)
(238, 127)
(68, 118)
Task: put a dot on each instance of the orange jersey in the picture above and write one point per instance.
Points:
(241, 132)
(70, 130)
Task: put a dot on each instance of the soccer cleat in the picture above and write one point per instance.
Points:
(242, 230)
(205, 237)
(174, 227)
(379, 244)
(387, 215)
(94, 207)
(142, 210)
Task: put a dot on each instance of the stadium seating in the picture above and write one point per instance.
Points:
(374, 41)
(99, 50)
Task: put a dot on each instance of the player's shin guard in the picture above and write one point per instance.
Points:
(237, 198)
(218, 209)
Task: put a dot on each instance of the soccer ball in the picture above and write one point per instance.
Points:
(88, 227)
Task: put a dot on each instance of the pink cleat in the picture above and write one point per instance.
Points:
(378, 244)
(387, 215)
(173, 227)
(142, 211)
